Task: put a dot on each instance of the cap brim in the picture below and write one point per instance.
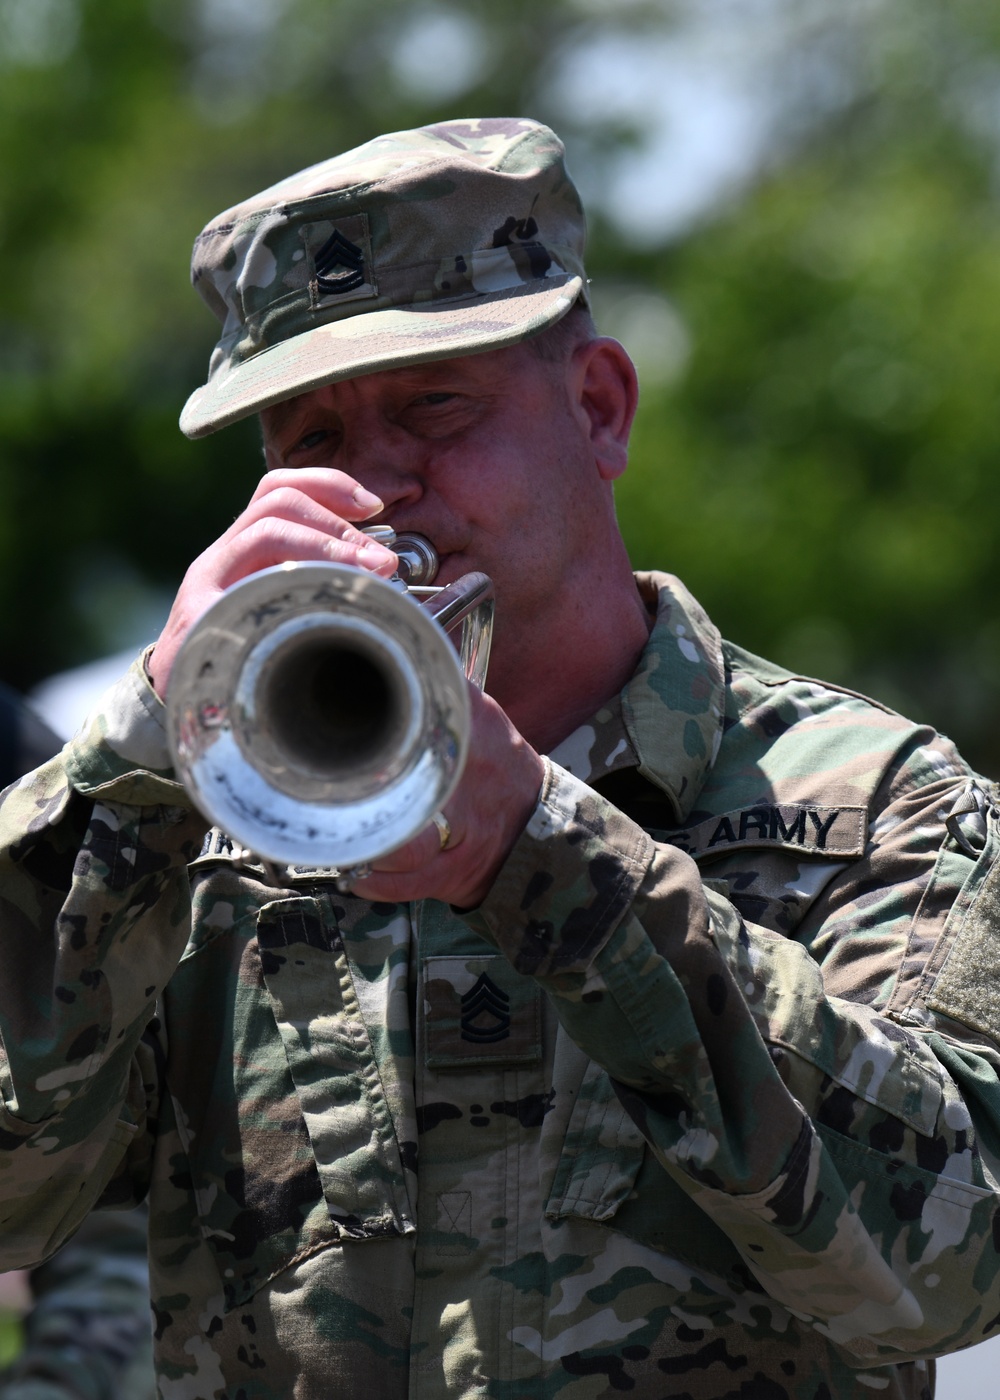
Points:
(376, 340)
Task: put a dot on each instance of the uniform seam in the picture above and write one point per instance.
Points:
(295, 1259)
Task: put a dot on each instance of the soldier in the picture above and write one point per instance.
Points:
(664, 1059)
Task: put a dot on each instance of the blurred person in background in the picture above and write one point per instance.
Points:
(26, 741)
(663, 1060)
(87, 1333)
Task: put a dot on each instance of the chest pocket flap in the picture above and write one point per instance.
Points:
(334, 1069)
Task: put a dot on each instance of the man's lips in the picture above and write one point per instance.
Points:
(452, 563)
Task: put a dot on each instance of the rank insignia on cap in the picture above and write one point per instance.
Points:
(339, 251)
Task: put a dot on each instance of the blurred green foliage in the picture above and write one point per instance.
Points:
(824, 474)
(11, 1336)
(821, 359)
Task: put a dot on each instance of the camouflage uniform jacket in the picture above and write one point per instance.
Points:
(701, 1102)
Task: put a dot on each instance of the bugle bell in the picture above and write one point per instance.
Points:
(319, 714)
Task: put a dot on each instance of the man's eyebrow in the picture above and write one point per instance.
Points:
(277, 416)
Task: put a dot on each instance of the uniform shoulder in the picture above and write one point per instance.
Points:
(803, 738)
(748, 672)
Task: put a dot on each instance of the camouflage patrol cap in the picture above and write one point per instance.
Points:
(420, 245)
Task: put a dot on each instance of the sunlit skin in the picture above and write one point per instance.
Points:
(506, 462)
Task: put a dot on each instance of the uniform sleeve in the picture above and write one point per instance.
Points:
(841, 1133)
(94, 914)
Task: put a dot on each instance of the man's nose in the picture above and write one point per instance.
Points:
(387, 460)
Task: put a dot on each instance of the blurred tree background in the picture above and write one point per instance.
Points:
(795, 227)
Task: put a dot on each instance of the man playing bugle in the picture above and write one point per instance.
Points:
(663, 1058)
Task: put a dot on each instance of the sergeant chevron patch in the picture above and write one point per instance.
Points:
(341, 257)
(485, 1012)
(478, 1010)
(339, 252)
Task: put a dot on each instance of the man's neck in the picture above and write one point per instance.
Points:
(562, 676)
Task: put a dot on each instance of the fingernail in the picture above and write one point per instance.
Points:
(367, 500)
(378, 553)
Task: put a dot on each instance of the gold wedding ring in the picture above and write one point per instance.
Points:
(443, 829)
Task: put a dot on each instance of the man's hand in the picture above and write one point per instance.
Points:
(487, 813)
(303, 514)
(308, 514)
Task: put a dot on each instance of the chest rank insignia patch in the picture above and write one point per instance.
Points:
(476, 1010)
(339, 252)
(485, 1012)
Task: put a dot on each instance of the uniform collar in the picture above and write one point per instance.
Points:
(674, 705)
(668, 720)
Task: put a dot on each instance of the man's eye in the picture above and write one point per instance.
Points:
(310, 440)
(441, 397)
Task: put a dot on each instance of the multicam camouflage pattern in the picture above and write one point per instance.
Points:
(88, 1335)
(700, 1103)
(419, 245)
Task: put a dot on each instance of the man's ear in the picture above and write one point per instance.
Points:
(605, 392)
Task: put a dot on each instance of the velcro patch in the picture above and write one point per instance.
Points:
(968, 985)
(478, 1011)
(341, 256)
(793, 826)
